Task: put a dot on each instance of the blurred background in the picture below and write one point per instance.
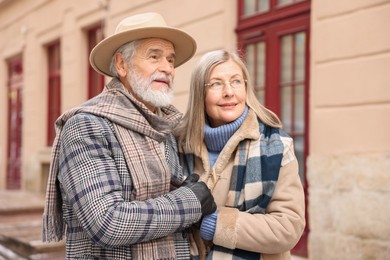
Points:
(323, 66)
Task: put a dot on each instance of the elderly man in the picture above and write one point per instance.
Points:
(115, 182)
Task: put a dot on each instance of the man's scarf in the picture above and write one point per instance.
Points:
(127, 116)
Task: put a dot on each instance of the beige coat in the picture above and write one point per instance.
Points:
(273, 234)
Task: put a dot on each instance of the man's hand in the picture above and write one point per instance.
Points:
(202, 192)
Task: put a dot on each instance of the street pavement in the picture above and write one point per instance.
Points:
(20, 228)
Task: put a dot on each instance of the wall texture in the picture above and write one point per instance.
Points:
(348, 165)
(349, 154)
(27, 27)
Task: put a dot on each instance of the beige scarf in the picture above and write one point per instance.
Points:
(150, 178)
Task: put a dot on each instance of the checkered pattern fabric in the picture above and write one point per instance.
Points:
(110, 182)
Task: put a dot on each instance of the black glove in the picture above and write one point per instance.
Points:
(202, 192)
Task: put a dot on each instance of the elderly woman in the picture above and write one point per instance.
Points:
(246, 159)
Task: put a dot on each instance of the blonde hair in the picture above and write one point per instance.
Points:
(193, 122)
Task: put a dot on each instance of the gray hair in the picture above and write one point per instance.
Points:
(128, 50)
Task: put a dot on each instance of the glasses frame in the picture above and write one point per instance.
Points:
(224, 83)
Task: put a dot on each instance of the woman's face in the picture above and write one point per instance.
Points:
(225, 94)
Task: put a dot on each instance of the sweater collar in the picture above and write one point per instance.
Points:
(249, 130)
(216, 138)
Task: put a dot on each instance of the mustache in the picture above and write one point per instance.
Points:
(162, 77)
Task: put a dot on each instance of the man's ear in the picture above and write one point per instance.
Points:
(121, 65)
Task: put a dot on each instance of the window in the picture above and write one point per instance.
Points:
(95, 80)
(274, 35)
(292, 90)
(54, 89)
(252, 7)
(255, 59)
(15, 123)
(287, 2)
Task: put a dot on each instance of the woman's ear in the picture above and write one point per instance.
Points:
(121, 65)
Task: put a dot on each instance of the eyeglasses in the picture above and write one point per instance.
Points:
(218, 85)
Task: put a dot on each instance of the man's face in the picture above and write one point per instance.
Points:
(151, 72)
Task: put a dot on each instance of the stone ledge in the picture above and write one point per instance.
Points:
(16, 201)
(21, 225)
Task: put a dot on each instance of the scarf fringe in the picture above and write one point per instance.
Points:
(53, 228)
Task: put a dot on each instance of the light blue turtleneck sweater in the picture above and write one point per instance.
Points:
(216, 138)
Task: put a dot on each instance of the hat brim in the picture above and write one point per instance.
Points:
(101, 55)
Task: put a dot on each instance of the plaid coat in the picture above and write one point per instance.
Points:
(258, 192)
(115, 179)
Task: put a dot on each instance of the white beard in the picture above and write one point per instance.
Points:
(142, 88)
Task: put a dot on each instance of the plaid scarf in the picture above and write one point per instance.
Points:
(256, 162)
(150, 178)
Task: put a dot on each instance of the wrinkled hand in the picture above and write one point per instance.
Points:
(202, 192)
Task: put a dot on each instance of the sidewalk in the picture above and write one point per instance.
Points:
(20, 227)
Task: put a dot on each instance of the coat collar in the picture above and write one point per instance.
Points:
(249, 130)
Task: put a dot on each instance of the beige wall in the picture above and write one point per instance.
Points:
(349, 157)
(28, 26)
(349, 162)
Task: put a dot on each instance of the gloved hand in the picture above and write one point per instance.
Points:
(207, 228)
(202, 192)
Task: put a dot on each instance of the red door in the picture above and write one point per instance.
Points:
(15, 119)
(274, 35)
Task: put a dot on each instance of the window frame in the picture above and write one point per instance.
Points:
(14, 129)
(53, 88)
(93, 76)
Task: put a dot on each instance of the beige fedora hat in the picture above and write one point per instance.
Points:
(141, 26)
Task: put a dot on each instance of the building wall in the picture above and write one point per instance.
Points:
(349, 154)
(28, 26)
(349, 162)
